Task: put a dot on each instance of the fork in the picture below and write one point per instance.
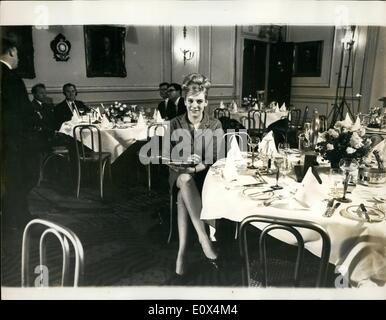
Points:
(274, 198)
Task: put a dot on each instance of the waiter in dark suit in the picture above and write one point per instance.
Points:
(19, 154)
(65, 110)
(176, 104)
(163, 92)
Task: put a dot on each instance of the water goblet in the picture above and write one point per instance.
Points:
(278, 162)
(253, 142)
(348, 166)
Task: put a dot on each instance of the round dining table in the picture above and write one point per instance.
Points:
(222, 199)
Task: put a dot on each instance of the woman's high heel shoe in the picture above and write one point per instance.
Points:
(215, 263)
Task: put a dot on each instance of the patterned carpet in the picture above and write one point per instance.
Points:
(124, 240)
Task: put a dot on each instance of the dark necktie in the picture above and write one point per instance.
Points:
(74, 108)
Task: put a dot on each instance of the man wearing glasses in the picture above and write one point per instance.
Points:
(176, 104)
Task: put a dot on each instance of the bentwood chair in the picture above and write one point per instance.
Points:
(291, 226)
(257, 122)
(61, 152)
(66, 238)
(323, 123)
(304, 119)
(155, 132)
(221, 112)
(92, 135)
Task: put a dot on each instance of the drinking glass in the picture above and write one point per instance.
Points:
(283, 147)
(336, 179)
(278, 162)
(348, 166)
(253, 142)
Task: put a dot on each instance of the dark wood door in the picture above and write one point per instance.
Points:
(254, 67)
(280, 72)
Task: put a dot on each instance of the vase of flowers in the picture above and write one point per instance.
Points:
(118, 111)
(345, 140)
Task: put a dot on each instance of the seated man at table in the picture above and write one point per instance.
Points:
(163, 92)
(176, 104)
(65, 110)
(43, 114)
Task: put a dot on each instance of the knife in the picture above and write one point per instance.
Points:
(364, 210)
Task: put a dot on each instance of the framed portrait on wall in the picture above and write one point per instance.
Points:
(22, 36)
(105, 51)
(308, 59)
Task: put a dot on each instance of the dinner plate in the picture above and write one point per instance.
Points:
(381, 207)
(257, 194)
(354, 213)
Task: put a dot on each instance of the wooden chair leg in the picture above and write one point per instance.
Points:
(149, 177)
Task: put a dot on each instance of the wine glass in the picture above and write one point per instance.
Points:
(253, 142)
(278, 162)
(283, 147)
(348, 166)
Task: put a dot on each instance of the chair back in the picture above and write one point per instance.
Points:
(294, 120)
(221, 112)
(65, 237)
(81, 133)
(156, 132)
(240, 136)
(291, 226)
(323, 123)
(305, 115)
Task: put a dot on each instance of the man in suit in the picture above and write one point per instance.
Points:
(163, 92)
(19, 154)
(176, 104)
(43, 115)
(64, 111)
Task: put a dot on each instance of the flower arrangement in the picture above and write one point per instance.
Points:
(119, 111)
(345, 140)
(375, 117)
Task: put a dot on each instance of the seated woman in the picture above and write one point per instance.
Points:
(191, 127)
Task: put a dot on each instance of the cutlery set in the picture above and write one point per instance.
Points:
(331, 208)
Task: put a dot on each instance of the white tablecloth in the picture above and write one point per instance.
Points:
(221, 199)
(115, 140)
(272, 117)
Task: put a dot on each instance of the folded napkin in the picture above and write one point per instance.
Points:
(75, 118)
(357, 125)
(141, 121)
(230, 171)
(283, 108)
(234, 151)
(158, 118)
(155, 114)
(234, 106)
(105, 122)
(276, 108)
(311, 192)
(222, 106)
(234, 157)
(267, 145)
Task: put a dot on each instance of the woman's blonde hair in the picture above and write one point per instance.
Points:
(195, 83)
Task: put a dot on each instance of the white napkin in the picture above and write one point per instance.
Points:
(105, 123)
(267, 145)
(158, 118)
(230, 170)
(234, 107)
(222, 106)
(75, 118)
(155, 114)
(276, 108)
(141, 121)
(234, 151)
(283, 108)
(311, 192)
(357, 125)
